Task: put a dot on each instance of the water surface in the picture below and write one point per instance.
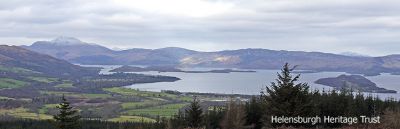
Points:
(245, 82)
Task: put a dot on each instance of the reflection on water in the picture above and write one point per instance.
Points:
(244, 83)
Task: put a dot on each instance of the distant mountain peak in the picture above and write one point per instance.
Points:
(353, 54)
(171, 48)
(63, 40)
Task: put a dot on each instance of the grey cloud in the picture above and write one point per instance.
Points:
(364, 26)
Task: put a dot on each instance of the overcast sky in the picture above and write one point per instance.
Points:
(370, 27)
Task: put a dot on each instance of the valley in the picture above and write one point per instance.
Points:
(32, 84)
(35, 97)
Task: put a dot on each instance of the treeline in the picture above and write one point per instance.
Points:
(83, 124)
(257, 112)
(286, 98)
(283, 98)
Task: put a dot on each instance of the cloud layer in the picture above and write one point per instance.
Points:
(369, 27)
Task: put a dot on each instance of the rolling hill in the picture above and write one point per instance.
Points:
(355, 83)
(76, 51)
(14, 57)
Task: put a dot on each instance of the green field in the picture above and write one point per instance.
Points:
(135, 105)
(64, 85)
(46, 107)
(43, 79)
(92, 96)
(16, 70)
(154, 104)
(167, 110)
(24, 113)
(78, 95)
(11, 83)
(132, 119)
(94, 101)
(157, 96)
(128, 104)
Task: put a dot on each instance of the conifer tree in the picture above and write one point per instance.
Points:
(194, 114)
(285, 97)
(67, 118)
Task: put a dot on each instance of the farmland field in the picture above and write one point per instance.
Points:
(11, 83)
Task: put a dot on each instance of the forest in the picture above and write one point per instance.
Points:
(285, 97)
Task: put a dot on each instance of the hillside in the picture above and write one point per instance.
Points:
(31, 84)
(353, 82)
(13, 57)
(76, 51)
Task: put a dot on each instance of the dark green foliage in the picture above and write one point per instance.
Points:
(348, 104)
(193, 117)
(85, 124)
(194, 114)
(254, 113)
(286, 98)
(178, 121)
(211, 119)
(214, 117)
(67, 118)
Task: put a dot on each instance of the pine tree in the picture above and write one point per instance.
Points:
(285, 98)
(67, 118)
(194, 114)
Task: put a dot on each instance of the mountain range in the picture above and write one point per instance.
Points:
(14, 59)
(76, 51)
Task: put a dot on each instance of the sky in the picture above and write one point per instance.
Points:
(368, 27)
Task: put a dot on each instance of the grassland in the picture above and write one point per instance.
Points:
(24, 113)
(11, 83)
(167, 110)
(132, 119)
(161, 96)
(155, 103)
(43, 79)
(77, 95)
(64, 85)
(112, 104)
(46, 107)
(136, 105)
(150, 106)
(33, 95)
(16, 70)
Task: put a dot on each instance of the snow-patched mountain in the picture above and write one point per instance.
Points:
(68, 48)
(66, 41)
(353, 54)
